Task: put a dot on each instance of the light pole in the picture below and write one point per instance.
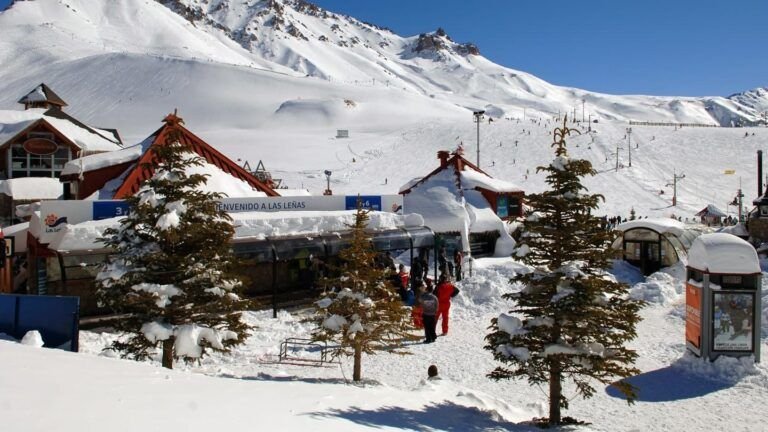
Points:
(617, 156)
(675, 178)
(478, 118)
(583, 101)
(590, 123)
(328, 190)
(629, 144)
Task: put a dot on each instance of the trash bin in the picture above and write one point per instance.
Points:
(722, 297)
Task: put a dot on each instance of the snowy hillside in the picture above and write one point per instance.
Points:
(237, 72)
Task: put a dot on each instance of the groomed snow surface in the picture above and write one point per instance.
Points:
(249, 390)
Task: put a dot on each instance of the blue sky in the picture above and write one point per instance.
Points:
(660, 47)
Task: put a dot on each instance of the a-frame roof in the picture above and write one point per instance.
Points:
(43, 93)
(173, 129)
(460, 167)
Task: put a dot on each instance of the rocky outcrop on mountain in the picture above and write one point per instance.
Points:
(429, 43)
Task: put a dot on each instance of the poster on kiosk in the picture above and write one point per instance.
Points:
(721, 298)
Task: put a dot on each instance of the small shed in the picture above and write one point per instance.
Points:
(651, 244)
(711, 215)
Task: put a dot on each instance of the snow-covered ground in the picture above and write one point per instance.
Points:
(49, 389)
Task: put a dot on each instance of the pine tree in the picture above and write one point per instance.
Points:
(171, 273)
(363, 313)
(575, 320)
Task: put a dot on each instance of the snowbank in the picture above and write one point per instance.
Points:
(660, 288)
(473, 179)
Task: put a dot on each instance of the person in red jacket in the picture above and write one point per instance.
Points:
(445, 291)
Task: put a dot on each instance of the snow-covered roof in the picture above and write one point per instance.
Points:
(248, 225)
(31, 188)
(103, 160)
(660, 225)
(471, 179)
(87, 138)
(723, 253)
(711, 210)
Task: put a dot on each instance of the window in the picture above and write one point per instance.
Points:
(24, 164)
(508, 206)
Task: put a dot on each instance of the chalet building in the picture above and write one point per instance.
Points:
(36, 144)
(118, 174)
(463, 202)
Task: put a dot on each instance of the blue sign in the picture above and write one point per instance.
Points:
(109, 209)
(370, 202)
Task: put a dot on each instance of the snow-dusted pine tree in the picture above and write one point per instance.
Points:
(363, 313)
(571, 320)
(171, 273)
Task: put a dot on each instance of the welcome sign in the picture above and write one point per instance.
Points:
(55, 215)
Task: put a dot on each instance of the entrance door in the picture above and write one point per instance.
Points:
(651, 258)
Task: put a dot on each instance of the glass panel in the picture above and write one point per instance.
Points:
(256, 252)
(632, 251)
(422, 237)
(514, 206)
(733, 321)
(391, 240)
(502, 206)
(300, 248)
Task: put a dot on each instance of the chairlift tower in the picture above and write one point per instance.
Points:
(675, 179)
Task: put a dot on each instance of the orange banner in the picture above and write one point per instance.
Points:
(693, 315)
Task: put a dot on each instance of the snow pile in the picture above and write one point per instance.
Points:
(727, 369)
(190, 337)
(660, 288)
(106, 159)
(33, 338)
(491, 278)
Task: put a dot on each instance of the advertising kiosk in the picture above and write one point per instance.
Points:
(722, 297)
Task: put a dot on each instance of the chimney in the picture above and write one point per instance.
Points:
(443, 156)
(759, 173)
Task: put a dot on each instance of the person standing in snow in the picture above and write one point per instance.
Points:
(429, 304)
(416, 273)
(417, 311)
(457, 259)
(445, 292)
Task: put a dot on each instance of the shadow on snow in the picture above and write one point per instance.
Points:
(670, 384)
(445, 416)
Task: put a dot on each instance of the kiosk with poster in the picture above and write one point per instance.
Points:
(722, 297)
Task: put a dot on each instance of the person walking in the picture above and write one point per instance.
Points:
(429, 304)
(445, 292)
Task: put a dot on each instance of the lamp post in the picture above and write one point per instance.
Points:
(629, 144)
(583, 101)
(328, 190)
(478, 118)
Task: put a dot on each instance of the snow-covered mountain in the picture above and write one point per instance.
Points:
(297, 38)
(275, 79)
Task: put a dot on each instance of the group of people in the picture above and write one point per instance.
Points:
(429, 303)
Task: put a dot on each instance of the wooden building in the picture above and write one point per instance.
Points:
(37, 143)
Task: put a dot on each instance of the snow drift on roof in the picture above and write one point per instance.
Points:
(471, 179)
(248, 225)
(660, 225)
(723, 253)
(31, 188)
(103, 160)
